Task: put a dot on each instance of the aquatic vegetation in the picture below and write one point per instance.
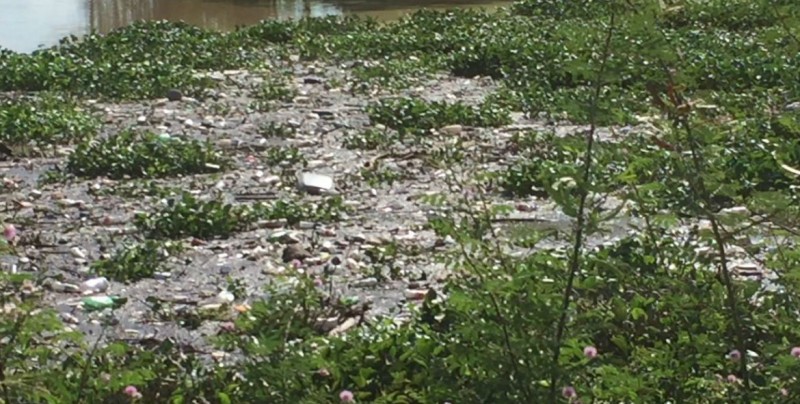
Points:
(137, 261)
(684, 130)
(45, 121)
(416, 116)
(271, 91)
(186, 215)
(134, 154)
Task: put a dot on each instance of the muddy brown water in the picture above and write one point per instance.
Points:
(29, 24)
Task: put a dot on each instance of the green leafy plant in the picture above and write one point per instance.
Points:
(276, 130)
(548, 164)
(135, 154)
(271, 90)
(46, 120)
(142, 60)
(186, 215)
(370, 139)
(285, 156)
(137, 261)
(378, 174)
(392, 74)
(416, 117)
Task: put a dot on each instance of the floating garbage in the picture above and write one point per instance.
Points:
(95, 285)
(96, 303)
(314, 183)
(225, 297)
(349, 300)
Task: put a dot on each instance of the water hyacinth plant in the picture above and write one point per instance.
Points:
(133, 154)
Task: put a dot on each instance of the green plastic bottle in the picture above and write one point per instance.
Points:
(95, 303)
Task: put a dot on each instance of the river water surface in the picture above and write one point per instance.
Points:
(26, 25)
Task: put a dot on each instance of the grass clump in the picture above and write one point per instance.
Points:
(378, 174)
(415, 116)
(286, 156)
(133, 154)
(392, 74)
(271, 130)
(271, 91)
(368, 139)
(187, 216)
(46, 120)
(744, 161)
(555, 9)
(134, 262)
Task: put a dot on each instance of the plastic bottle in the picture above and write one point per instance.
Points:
(95, 303)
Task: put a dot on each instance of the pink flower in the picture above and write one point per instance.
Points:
(10, 232)
(318, 282)
(734, 355)
(347, 396)
(732, 379)
(590, 352)
(796, 352)
(297, 264)
(784, 392)
(132, 392)
(569, 392)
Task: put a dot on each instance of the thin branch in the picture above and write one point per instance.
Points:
(85, 372)
(504, 327)
(574, 265)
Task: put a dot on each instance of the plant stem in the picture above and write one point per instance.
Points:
(85, 371)
(701, 192)
(577, 246)
(504, 327)
(9, 346)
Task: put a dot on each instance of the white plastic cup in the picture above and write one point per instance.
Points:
(95, 285)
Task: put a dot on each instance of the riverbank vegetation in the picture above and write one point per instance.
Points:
(690, 137)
